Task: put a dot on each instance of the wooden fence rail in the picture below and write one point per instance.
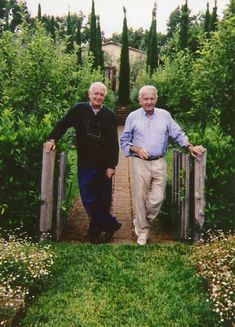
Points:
(49, 166)
(188, 197)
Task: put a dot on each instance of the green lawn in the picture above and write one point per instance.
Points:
(121, 285)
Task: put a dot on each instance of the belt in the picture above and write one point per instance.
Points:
(150, 158)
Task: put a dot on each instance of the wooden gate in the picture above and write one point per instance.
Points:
(188, 196)
(49, 166)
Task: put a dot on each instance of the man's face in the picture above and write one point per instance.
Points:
(148, 100)
(96, 96)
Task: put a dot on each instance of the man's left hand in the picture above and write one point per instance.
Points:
(196, 150)
(110, 172)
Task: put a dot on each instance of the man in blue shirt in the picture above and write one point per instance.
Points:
(145, 138)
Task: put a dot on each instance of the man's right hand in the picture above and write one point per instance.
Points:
(49, 145)
(142, 153)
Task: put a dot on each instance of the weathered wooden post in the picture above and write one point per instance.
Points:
(179, 182)
(47, 183)
(199, 196)
(175, 175)
(60, 195)
(188, 194)
(185, 199)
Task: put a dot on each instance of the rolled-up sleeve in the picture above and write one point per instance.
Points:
(126, 137)
(176, 133)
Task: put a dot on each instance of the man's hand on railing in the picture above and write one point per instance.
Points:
(196, 150)
(49, 145)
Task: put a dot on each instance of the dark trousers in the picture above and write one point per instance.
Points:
(96, 194)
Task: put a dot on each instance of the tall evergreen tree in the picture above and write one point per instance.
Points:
(70, 45)
(18, 11)
(39, 12)
(230, 11)
(124, 72)
(79, 43)
(173, 22)
(3, 10)
(52, 28)
(152, 50)
(184, 26)
(207, 20)
(214, 18)
(231, 7)
(100, 54)
(93, 34)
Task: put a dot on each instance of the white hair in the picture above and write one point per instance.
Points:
(99, 84)
(147, 87)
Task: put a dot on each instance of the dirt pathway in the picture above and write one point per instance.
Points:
(77, 222)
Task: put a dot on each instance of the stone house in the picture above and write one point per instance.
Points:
(112, 53)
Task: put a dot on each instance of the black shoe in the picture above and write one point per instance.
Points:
(109, 233)
(94, 238)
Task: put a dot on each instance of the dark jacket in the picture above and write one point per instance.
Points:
(96, 135)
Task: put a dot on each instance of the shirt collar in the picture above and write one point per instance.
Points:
(96, 111)
(149, 116)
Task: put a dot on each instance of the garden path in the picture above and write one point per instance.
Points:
(77, 223)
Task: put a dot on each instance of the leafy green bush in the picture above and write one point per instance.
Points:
(71, 179)
(213, 82)
(220, 169)
(38, 77)
(173, 83)
(20, 169)
(23, 267)
(215, 261)
(38, 82)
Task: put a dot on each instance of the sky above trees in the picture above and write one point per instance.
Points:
(139, 12)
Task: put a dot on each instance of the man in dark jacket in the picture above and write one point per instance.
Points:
(97, 149)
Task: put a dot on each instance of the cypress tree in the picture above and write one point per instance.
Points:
(100, 55)
(17, 11)
(78, 42)
(3, 15)
(152, 50)
(124, 73)
(93, 34)
(39, 12)
(214, 18)
(231, 8)
(184, 26)
(52, 28)
(2, 9)
(70, 45)
(207, 20)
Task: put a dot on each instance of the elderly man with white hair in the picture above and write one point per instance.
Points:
(97, 150)
(145, 139)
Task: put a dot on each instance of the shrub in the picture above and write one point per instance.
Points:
(38, 77)
(20, 169)
(213, 82)
(220, 169)
(38, 82)
(215, 261)
(173, 83)
(23, 267)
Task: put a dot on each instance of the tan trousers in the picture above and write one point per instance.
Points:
(149, 184)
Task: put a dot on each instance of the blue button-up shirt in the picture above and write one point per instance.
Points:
(151, 132)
